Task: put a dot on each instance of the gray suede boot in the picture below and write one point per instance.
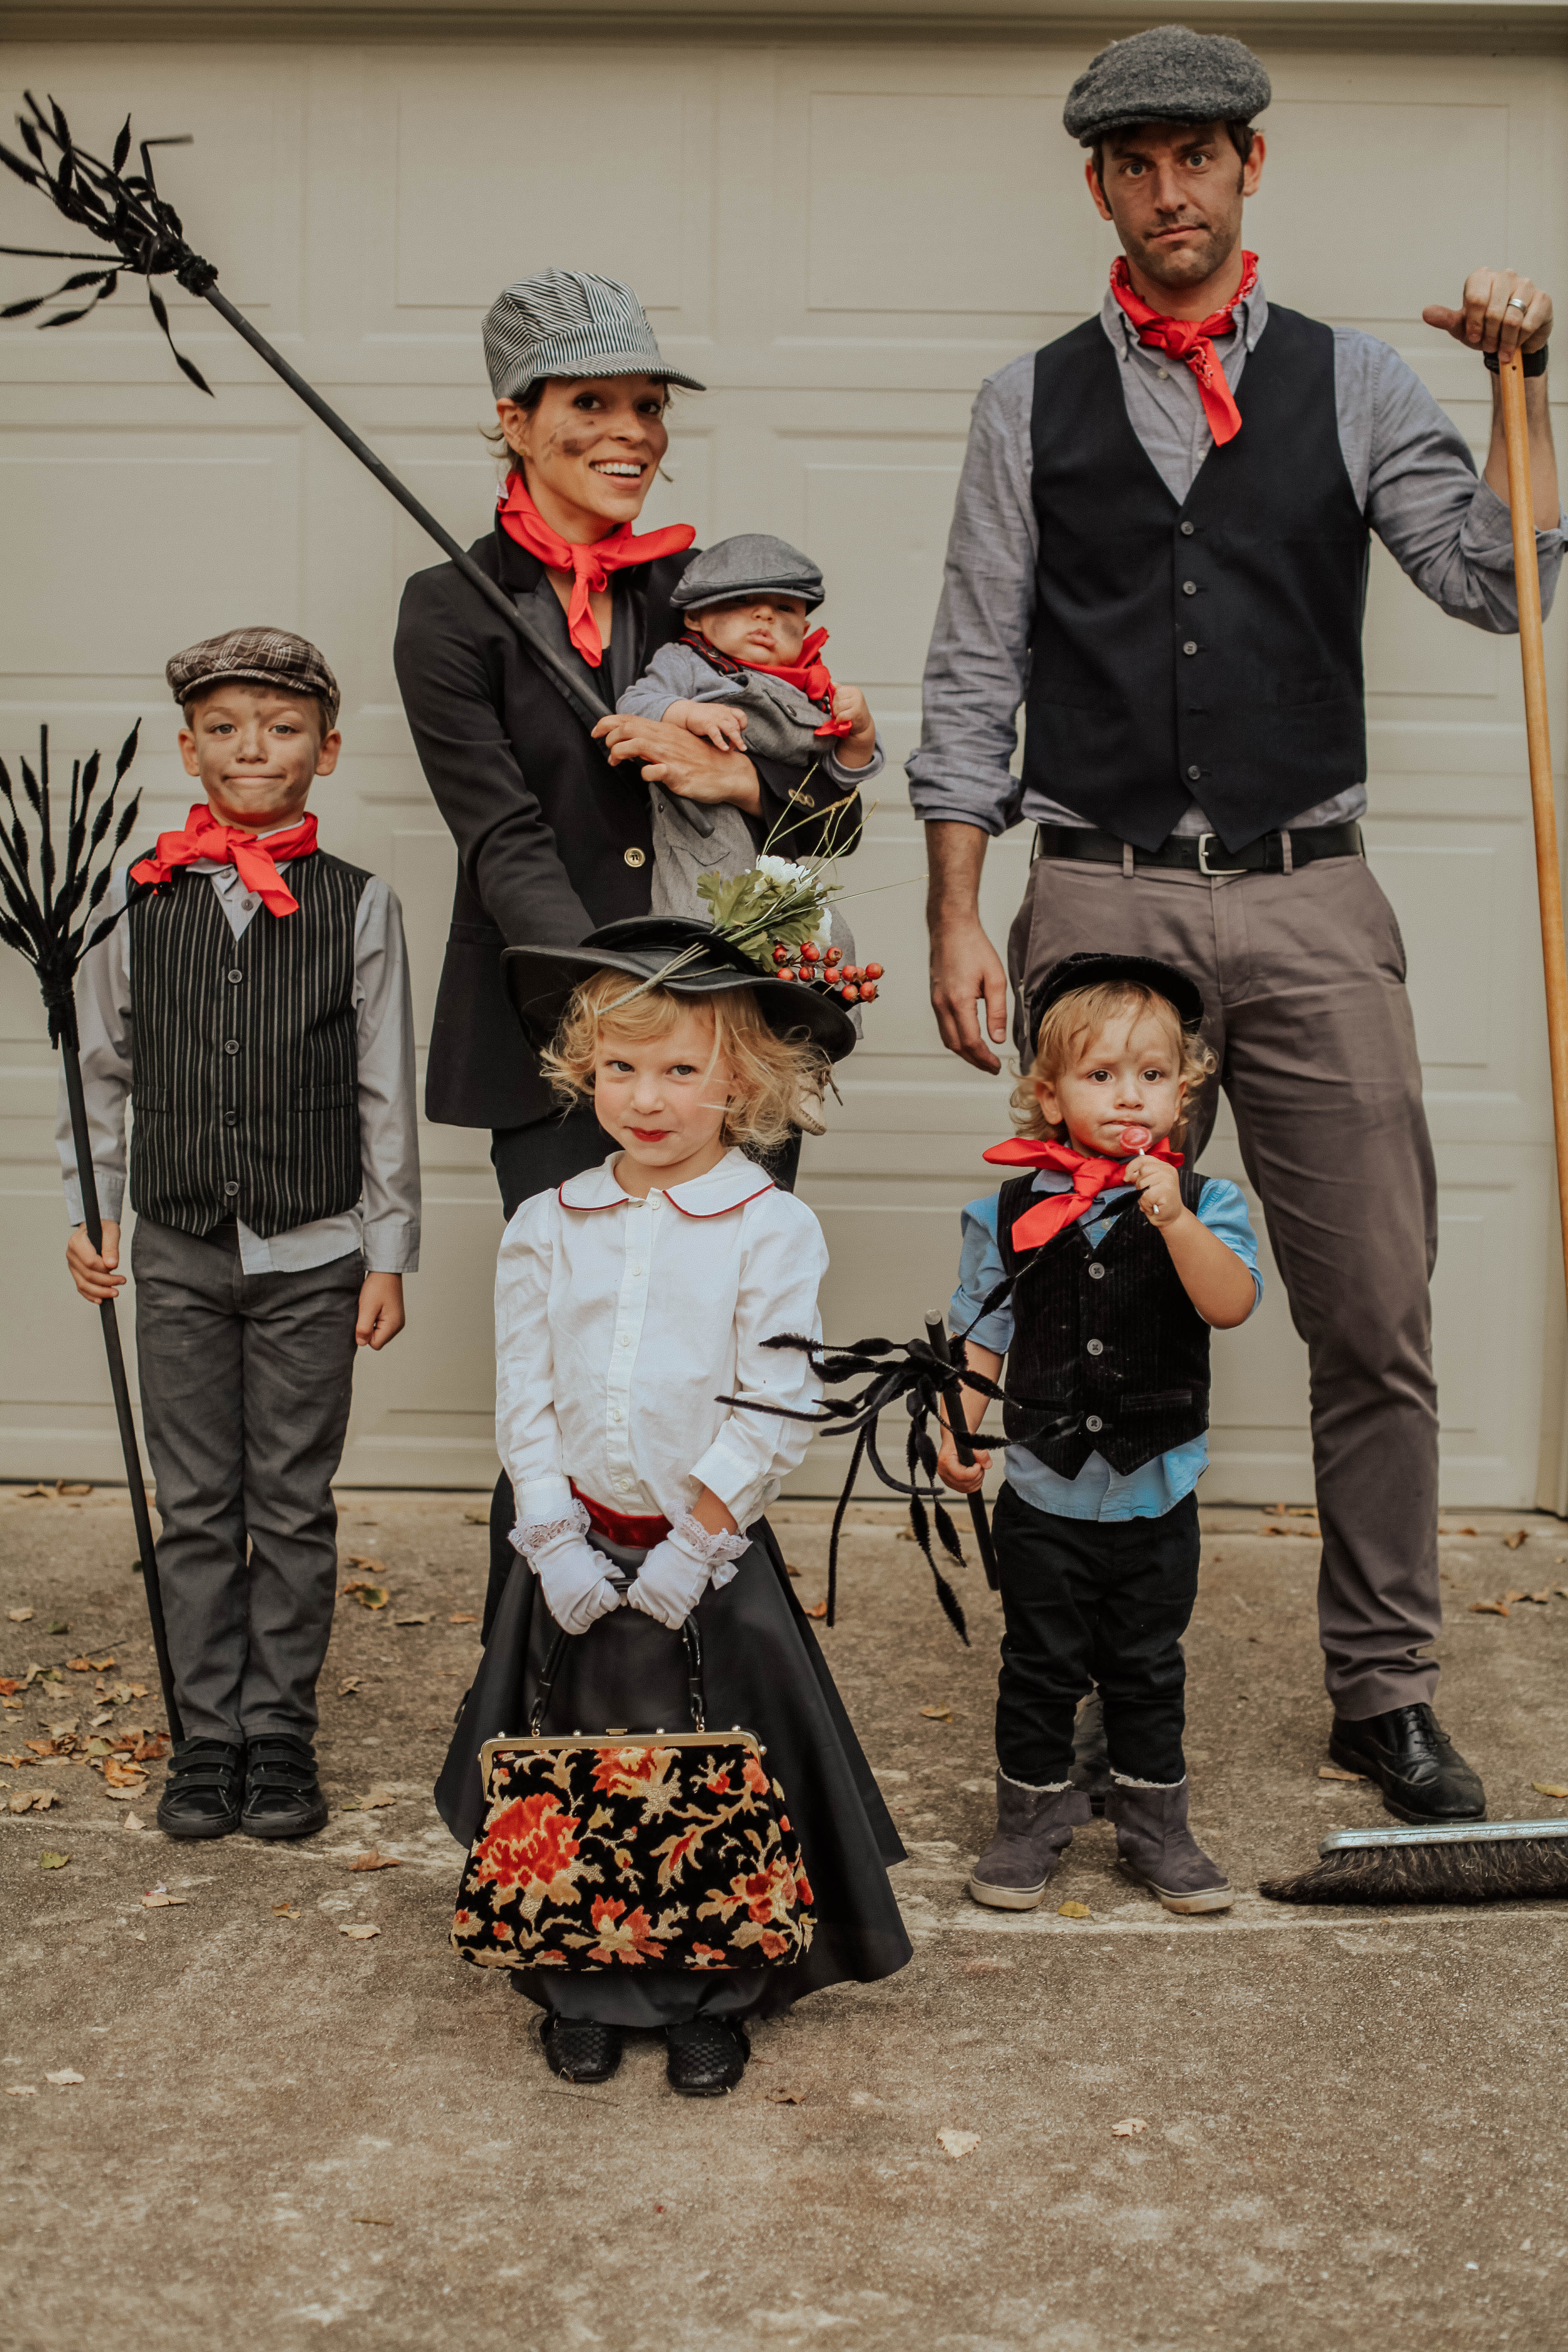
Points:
(1156, 1845)
(1033, 1826)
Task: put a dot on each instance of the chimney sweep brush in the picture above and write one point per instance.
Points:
(1459, 1862)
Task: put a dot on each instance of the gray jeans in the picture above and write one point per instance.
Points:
(1303, 979)
(245, 1383)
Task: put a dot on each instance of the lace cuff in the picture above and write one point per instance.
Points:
(537, 1535)
(715, 1551)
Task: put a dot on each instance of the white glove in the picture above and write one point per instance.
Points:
(675, 1573)
(572, 1575)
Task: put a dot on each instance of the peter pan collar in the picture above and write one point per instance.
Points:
(735, 1180)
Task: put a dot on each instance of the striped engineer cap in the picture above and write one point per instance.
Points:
(565, 322)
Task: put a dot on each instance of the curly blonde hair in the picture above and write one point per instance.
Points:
(775, 1080)
(1083, 1012)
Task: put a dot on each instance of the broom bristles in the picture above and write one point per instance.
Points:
(1496, 1871)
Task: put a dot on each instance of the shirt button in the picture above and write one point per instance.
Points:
(1094, 1424)
(231, 1045)
(1162, 374)
(1189, 587)
(250, 905)
(625, 1341)
(231, 1119)
(615, 1413)
(231, 1187)
(1188, 529)
(1191, 646)
(1097, 1346)
(1097, 1274)
(1193, 775)
(636, 1270)
(236, 975)
(635, 857)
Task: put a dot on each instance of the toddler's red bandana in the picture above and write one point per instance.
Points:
(1089, 1177)
(229, 845)
(590, 566)
(1191, 340)
(808, 674)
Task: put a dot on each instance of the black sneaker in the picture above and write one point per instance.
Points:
(705, 2057)
(282, 1795)
(201, 1796)
(1422, 1774)
(578, 2050)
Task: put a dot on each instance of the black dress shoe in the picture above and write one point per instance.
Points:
(706, 2058)
(1422, 1774)
(201, 1796)
(282, 1795)
(578, 2051)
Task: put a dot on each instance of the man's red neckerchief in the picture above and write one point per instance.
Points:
(1191, 340)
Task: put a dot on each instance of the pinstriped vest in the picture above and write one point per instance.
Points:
(245, 1068)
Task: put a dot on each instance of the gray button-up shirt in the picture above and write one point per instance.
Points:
(1408, 464)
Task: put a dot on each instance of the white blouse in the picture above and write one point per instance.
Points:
(620, 1323)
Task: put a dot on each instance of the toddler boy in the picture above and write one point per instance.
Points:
(253, 1004)
(1097, 1274)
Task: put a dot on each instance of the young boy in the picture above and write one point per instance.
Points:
(1119, 1266)
(253, 1003)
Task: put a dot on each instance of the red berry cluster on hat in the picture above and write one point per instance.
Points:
(825, 969)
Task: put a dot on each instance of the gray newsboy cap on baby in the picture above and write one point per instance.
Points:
(754, 564)
(1168, 75)
(566, 323)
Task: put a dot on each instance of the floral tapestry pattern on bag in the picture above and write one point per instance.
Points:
(634, 1856)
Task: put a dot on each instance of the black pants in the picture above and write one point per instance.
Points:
(529, 1159)
(1093, 1604)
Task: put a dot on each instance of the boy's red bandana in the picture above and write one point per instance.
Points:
(590, 566)
(1089, 1179)
(808, 674)
(1191, 340)
(229, 845)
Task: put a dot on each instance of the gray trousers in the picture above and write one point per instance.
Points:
(1303, 979)
(245, 1383)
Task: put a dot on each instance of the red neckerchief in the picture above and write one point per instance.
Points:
(808, 674)
(1089, 1177)
(590, 566)
(1191, 340)
(229, 845)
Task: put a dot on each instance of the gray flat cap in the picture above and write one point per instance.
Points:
(255, 656)
(754, 564)
(565, 322)
(1170, 74)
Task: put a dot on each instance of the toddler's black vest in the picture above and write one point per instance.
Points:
(1107, 1336)
(245, 1068)
(1206, 651)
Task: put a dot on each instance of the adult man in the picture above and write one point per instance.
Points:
(1161, 540)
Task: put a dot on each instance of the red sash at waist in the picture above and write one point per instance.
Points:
(621, 1526)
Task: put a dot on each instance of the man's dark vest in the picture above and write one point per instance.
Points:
(245, 1067)
(1209, 651)
(1105, 1342)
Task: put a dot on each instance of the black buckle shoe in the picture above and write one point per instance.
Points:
(705, 2057)
(282, 1795)
(1422, 1774)
(201, 1796)
(578, 2050)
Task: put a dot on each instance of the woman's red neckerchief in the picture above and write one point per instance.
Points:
(255, 861)
(590, 566)
(1091, 1177)
(808, 674)
(1191, 340)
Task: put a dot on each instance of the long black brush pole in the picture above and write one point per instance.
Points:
(129, 1445)
(958, 1422)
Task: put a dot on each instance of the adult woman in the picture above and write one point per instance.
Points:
(553, 827)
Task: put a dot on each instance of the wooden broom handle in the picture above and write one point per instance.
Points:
(1543, 798)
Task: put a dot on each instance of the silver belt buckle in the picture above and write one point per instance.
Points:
(1217, 872)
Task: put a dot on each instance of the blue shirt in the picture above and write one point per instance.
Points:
(1098, 1492)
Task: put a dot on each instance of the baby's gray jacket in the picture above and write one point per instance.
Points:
(781, 721)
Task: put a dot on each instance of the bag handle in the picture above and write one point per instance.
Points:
(557, 1652)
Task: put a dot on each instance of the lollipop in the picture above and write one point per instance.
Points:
(1136, 1139)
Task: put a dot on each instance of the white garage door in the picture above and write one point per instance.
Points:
(841, 242)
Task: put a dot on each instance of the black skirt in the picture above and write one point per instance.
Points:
(761, 1670)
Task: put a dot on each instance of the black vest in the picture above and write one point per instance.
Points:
(1106, 1336)
(1209, 651)
(245, 1067)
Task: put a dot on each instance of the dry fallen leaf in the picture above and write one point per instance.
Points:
(790, 1569)
(468, 1618)
(785, 2098)
(1549, 1789)
(133, 1822)
(1074, 1911)
(287, 1911)
(374, 1860)
(366, 1559)
(359, 1934)
(374, 1800)
(21, 2090)
(349, 1688)
(1129, 2128)
(477, 1518)
(958, 2143)
(370, 2220)
(119, 1775)
(1337, 1773)
(986, 1968)
(67, 2075)
(369, 1596)
(1490, 1608)
(938, 1714)
(49, 1859)
(1520, 1535)
(161, 1900)
(71, 1486)
(1456, 1531)
(821, 1611)
(424, 1618)
(35, 1800)
(19, 1616)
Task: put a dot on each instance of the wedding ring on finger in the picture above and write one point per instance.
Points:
(1514, 303)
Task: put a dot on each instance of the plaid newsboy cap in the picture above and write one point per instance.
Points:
(566, 323)
(754, 563)
(259, 657)
(1170, 74)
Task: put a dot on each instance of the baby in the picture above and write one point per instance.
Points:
(746, 675)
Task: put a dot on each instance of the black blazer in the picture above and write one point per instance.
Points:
(551, 840)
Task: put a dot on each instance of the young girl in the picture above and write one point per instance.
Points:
(1119, 1267)
(628, 1302)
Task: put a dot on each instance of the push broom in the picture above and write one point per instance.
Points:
(1484, 1861)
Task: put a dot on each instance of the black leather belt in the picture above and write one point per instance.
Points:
(1204, 853)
